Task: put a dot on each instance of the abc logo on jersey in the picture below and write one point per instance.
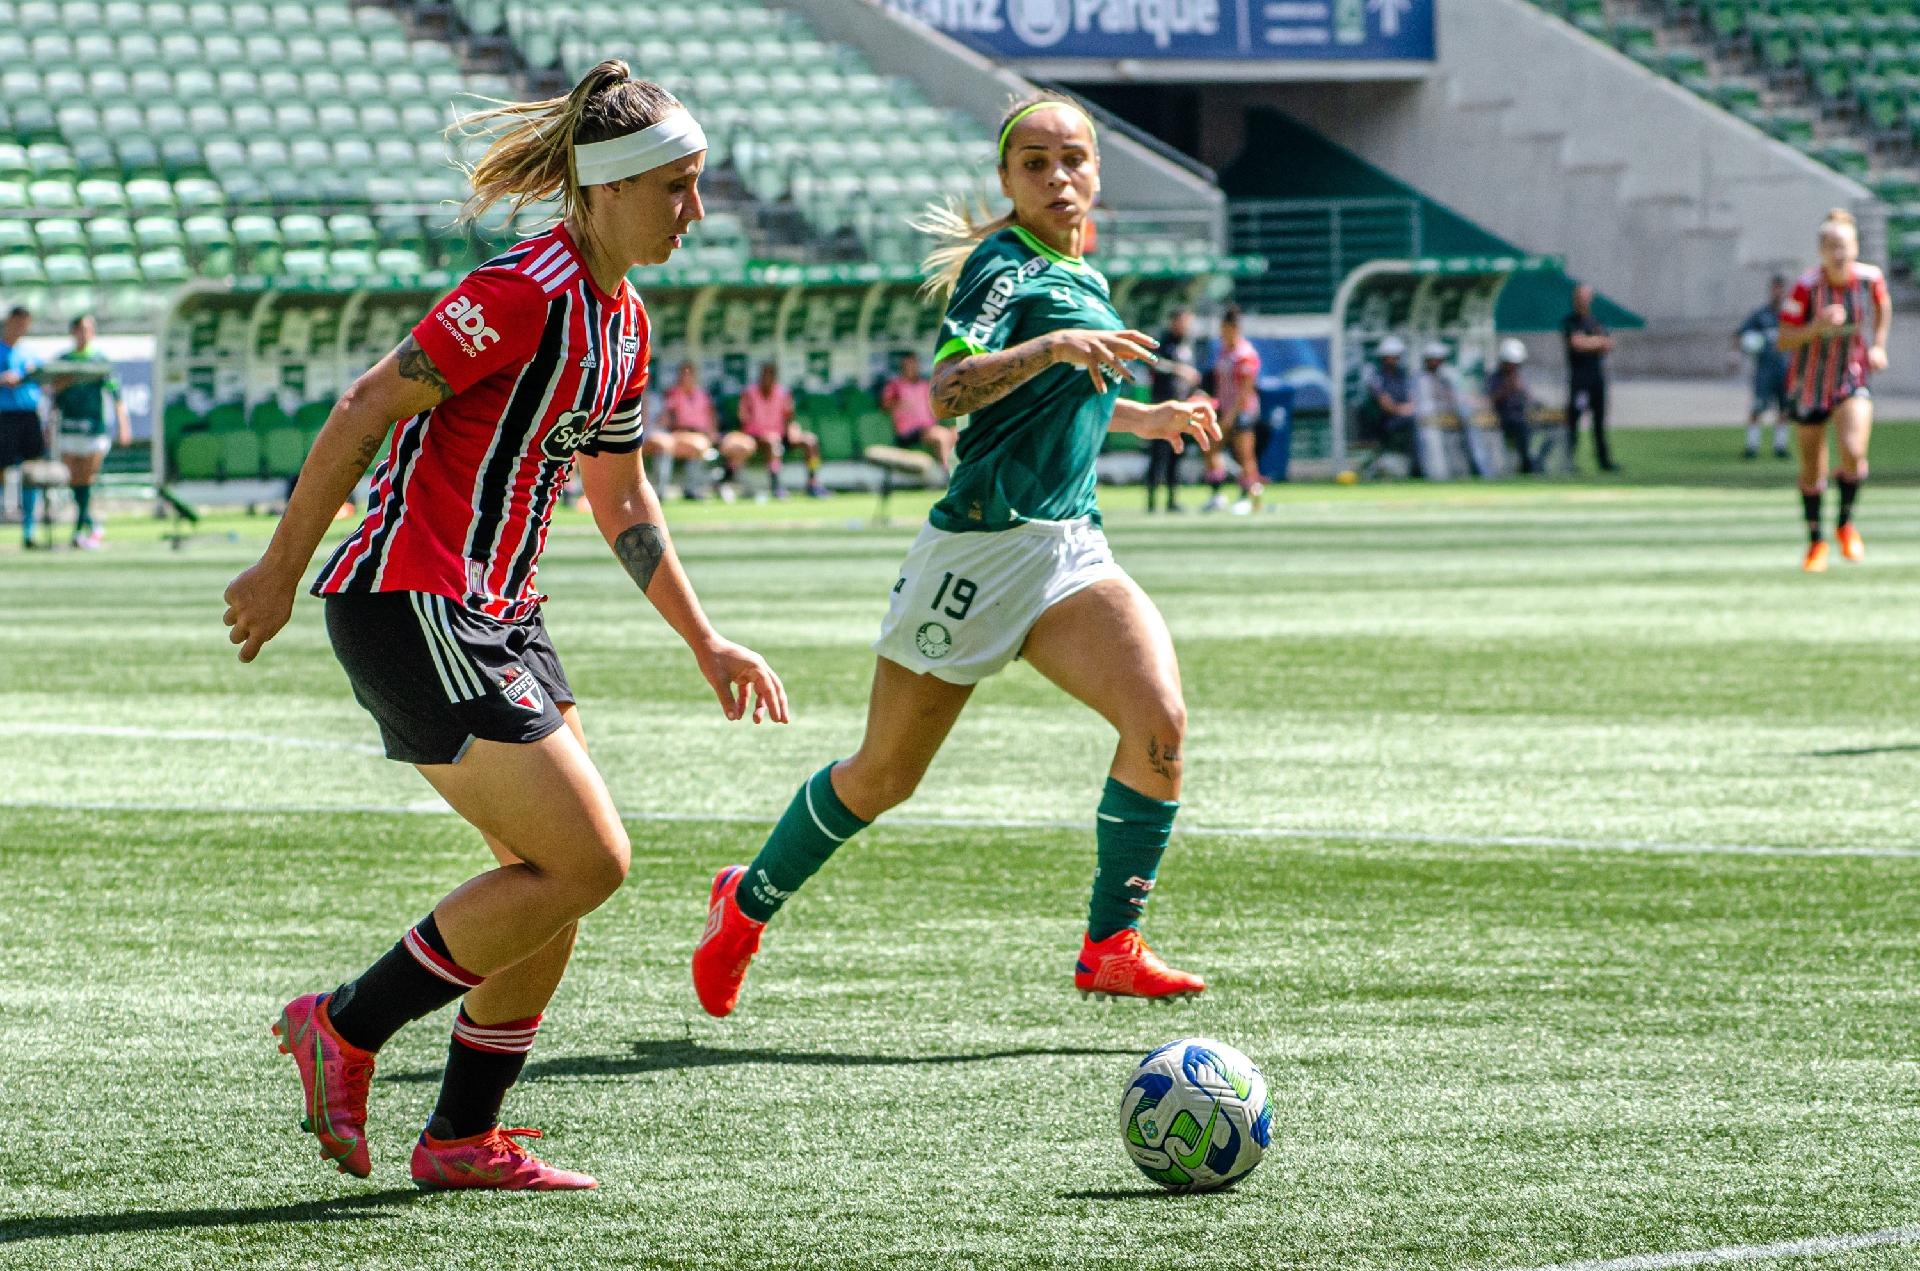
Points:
(468, 325)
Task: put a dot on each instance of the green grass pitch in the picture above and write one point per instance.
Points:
(1551, 848)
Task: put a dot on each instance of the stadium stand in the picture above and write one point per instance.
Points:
(146, 142)
(1837, 79)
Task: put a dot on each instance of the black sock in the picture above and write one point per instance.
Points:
(1849, 491)
(416, 977)
(483, 1062)
(1811, 502)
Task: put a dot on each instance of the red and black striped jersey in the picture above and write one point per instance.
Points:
(1826, 371)
(543, 365)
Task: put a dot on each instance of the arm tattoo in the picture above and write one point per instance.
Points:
(369, 447)
(964, 385)
(641, 548)
(416, 365)
(1162, 761)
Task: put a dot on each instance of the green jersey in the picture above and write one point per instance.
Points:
(1030, 455)
(83, 404)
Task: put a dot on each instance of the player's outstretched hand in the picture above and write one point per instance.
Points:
(741, 677)
(1176, 421)
(1877, 358)
(259, 603)
(1104, 353)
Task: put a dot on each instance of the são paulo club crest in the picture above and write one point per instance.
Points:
(519, 687)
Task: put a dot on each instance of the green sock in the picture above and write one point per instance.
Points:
(815, 824)
(1132, 834)
(83, 505)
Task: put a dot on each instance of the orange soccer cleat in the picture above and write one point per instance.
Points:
(333, 1074)
(1123, 966)
(726, 947)
(493, 1160)
(1816, 560)
(1851, 546)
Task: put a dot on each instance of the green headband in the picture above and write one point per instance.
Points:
(1045, 105)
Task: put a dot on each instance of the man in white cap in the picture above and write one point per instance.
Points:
(1438, 396)
(1512, 404)
(1387, 409)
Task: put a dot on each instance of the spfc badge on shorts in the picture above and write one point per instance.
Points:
(519, 687)
(934, 639)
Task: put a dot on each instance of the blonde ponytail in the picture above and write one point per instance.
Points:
(529, 155)
(960, 227)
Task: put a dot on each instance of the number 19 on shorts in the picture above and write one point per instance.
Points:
(962, 592)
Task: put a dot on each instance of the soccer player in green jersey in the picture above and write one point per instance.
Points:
(1011, 563)
(82, 433)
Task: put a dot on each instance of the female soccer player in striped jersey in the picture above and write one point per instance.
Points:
(534, 364)
(1833, 328)
(1012, 563)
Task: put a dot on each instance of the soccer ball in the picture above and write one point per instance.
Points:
(1196, 1115)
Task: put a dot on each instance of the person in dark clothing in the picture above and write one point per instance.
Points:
(1587, 347)
(1759, 337)
(1512, 403)
(1174, 377)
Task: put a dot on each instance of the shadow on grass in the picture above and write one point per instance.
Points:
(1854, 752)
(678, 1056)
(355, 1208)
(1124, 1193)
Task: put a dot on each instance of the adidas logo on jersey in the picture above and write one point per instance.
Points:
(468, 325)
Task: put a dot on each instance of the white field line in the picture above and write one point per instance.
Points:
(188, 734)
(1287, 833)
(1812, 1247)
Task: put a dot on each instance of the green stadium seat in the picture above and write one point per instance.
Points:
(285, 450)
(400, 260)
(196, 457)
(60, 234)
(108, 234)
(149, 195)
(166, 266)
(55, 194)
(267, 415)
(22, 271)
(239, 455)
(227, 417)
(155, 232)
(836, 433)
(51, 159)
(210, 243)
(74, 270)
(16, 239)
(116, 268)
(873, 428)
(304, 262)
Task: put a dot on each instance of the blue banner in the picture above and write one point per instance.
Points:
(1259, 30)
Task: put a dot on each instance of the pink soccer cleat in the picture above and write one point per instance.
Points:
(334, 1074)
(492, 1160)
(726, 947)
(1123, 966)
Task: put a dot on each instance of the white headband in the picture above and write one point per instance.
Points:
(675, 137)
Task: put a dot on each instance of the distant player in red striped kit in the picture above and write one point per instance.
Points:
(1833, 329)
(536, 363)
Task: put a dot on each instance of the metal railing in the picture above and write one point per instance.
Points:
(1312, 244)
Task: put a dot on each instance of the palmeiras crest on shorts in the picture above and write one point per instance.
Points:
(935, 640)
(519, 687)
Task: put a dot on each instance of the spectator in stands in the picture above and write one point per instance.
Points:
(23, 436)
(1587, 347)
(767, 427)
(689, 429)
(1759, 337)
(83, 434)
(1512, 403)
(1386, 413)
(908, 397)
(1175, 376)
(1236, 389)
(1440, 398)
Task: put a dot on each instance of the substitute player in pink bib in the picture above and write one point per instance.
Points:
(533, 366)
(1833, 329)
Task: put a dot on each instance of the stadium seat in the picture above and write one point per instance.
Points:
(196, 457)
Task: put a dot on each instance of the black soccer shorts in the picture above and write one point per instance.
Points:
(436, 676)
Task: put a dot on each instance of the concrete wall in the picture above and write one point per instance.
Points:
(1134, 178)
(1559, 144)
